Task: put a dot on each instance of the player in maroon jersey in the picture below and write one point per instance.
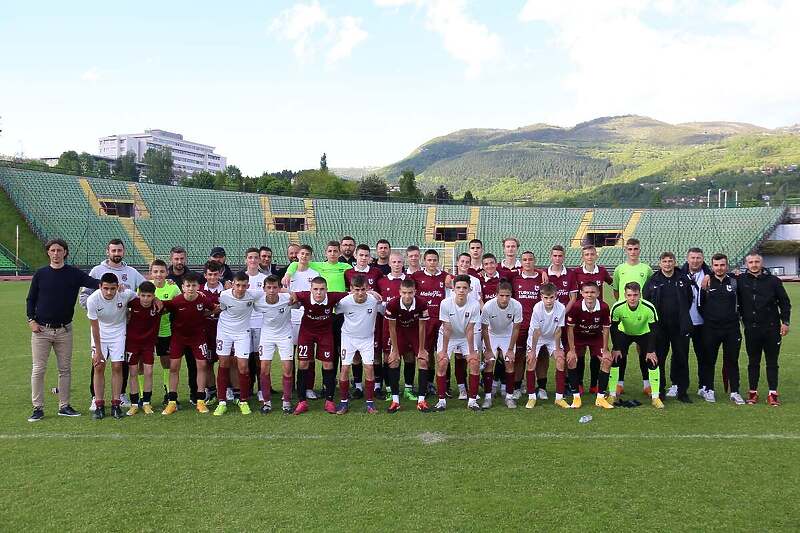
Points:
(413, 257)
(389, 289)
(475, 257)
(527, 285)
(510, 263)
(372, 273)
(406, 316)
(589, 270)
(144, 319)
(316, 340)
(189, 311)
(431, 283)
(588, 326)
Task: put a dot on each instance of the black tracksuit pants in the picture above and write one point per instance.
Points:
(730, 339)
(766, 339)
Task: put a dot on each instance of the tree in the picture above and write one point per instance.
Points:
(468, 198)
(372, 187)
(69, 161)
(408, 187)
(159, 162)
(101, 169)
(323, 162)
(235, 177)
(86, 161)
(442, 195)
(220, 181)
(125, 167)
(199, 180)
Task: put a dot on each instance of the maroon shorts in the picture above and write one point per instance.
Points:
(595, 348)
(307, 342)
(407, 341)
(137, 353)
(432, 333)
(198, 348)
(380, 341)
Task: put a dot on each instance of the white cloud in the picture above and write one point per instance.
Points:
(314, 31)
(464, 38)
(702, 60)
(92, 75)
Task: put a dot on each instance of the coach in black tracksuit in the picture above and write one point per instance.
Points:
(670, 291)
(765, 309)
(697, 276)
(720, 309)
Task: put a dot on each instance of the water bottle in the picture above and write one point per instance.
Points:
(585, 419)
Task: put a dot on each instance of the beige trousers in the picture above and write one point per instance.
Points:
(60, 340)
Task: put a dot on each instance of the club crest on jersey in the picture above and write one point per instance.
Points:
(327, 311)
(153, 312)
(597, 319)
(466, 315)
(369, 311)
(199, 307)
(564, 283)
(729, 288)
(249, 304)
(281, 310)
(119, 305)
(124, 277)
(441, 285)
(509, 315)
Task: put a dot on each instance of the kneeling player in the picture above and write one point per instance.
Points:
(587, 327)
(501, 318)
(633, 321)
(359, 309)
(544, 336)
(106, 309)
(406, 316)
(458, 315)
(276, 336)
(140, 343)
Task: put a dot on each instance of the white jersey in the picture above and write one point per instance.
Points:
(234, 318)
(301, 281)
(359, 319)
(501, 321)
(459, 317)
(277, 323)
(111, 314)
(127, 277)
(474, 290)
(545, 322)
(256, 285)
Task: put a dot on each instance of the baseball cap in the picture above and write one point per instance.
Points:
(217, 250)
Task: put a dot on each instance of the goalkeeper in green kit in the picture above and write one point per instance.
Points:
(634, 320)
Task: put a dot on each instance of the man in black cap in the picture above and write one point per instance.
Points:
(218, 254)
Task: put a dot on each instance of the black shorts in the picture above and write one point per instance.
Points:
(627, 340)
(162, 346)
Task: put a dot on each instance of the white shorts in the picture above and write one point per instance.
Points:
(365, 347)
(477, 340)
(240, 344)
(453, 347)
(503, 343)
(284, 347)
(113, 351)
(255, 339)
(297, 317)
(551, 347)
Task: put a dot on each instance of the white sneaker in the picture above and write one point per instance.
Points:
(737, 398)
(311, 395)
(672, 392)
(542, 394)
(93, 405)
(517, 394)
(701, 392)
(487, 403)
(441, 405)
(124, 401)
(710, 396)
(510, 403)
(260, 396)
(462, 394)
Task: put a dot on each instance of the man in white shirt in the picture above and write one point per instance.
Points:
(501, 318)
(252, 262)
(458, 315)
(544, 335)
(463, 266)
(359, 309)
(107, 310)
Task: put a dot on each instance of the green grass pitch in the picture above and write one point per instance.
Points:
(696, 467)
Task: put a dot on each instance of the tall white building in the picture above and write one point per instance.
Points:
(187, 156)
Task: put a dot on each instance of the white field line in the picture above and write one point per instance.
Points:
(426, 438)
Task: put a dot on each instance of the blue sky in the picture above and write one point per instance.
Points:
(274, 84)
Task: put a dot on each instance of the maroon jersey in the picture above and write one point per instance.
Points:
(489, 284)
(143, 325)
(407, 318)
(526, 292)
(512, 271)
(372, 275)
(389, 287)
(475, 272)
(588, 323)
(562, 283)
(188, 318)
(318, 318)
(580, 276)
(431, 288)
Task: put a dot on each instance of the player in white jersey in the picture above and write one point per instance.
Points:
(463, 265)
(458, 315)
(233, 331)
(107, 310)
(276, 336)
(252, 269)
(360, 309)
(544, 334)
(301, 282)
(501, 318)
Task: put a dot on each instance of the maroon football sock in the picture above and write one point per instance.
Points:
(244, 386)
(441, 386)
(488, 379)
(344, 389)
(222, 383)
(509, 382)
(266, 386)
(474, 380)
(287, 388)
(530, 381)
(561, 380)
(370, 392)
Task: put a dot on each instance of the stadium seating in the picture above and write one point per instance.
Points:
(67, 206)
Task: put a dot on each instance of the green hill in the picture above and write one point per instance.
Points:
(550, 163)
